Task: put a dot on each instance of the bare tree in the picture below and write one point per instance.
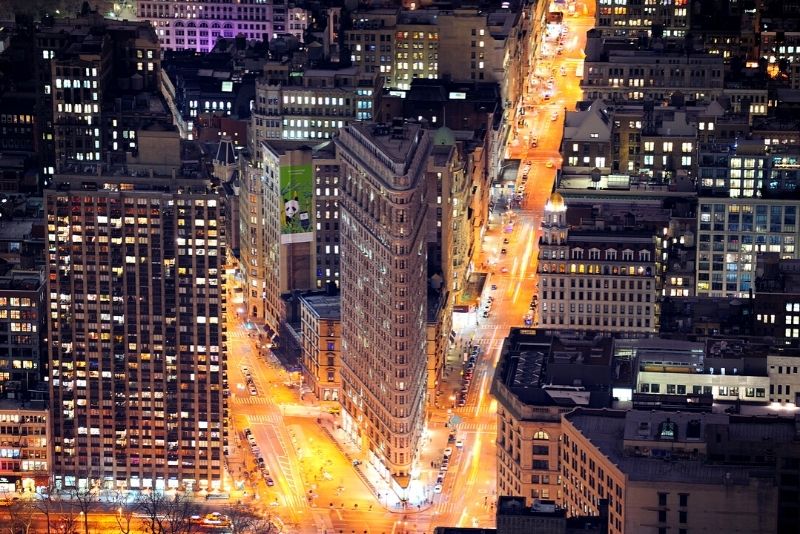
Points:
(85, 499)
(124, 512)
(167, 515)
(47, 503)
(244, 520)
(21, 516)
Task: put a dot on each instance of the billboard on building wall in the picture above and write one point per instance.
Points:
(297, 183)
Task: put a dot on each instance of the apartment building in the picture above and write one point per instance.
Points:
(431, 43)
(652, 468)
(25, 452)
(136, 336)
(534, 387)
(326, 207)
(197, 25)
(99, 83)
(631, 18)
(22, 332)
(599, 269)
(321, 334)
(384, 213)
(618, 71)
(311, 104)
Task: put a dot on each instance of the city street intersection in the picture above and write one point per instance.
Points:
(317, 488)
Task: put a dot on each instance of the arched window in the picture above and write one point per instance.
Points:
(178, 24)
(215, 24)
(541, 434)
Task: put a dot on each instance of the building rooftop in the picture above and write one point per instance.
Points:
(21, 280)
(556, 370)
(608, 430)
(324, 305)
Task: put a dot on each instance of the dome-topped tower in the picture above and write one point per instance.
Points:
(554, 224)
(555, 203)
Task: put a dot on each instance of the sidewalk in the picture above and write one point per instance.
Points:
(369, 475)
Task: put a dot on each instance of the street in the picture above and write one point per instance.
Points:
(316, 486)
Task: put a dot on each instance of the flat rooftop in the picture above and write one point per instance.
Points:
(395, 141)
(326, 306)
(606, 429)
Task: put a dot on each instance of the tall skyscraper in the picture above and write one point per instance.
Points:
(136, 329)
(383, 286)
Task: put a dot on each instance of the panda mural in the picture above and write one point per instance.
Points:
(296, 193)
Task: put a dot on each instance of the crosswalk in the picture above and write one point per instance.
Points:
(477, 427)
(250, 399)
(271, 419)
(470, 411)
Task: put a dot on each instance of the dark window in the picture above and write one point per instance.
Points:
(662, 499)
(682, 516)
(684, 499)
(662, 516)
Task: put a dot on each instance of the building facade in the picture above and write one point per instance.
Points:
(321, 334)
(731, 232)
(136, 331)
(23, 325)
(197, 25)
(602, 278)
(619, 456)
(383, 283)
(26, 452)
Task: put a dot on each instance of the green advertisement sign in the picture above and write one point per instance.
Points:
(297, 182)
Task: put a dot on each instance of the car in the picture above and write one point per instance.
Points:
(554, 116)
(460, 444)
(247, 432)
(253, 391)
(549, 164)
(356, 462)
(245, 370)
(503, 251)
(534, 142)
(444, 467)
(521, 188)
(451, 438)
(504, 270)
(485, 315)
(505, 242)
(462, 402)
(260, 462)
(440, 478)
(437, 488)
(448, 451)
(563, 71)
(270, 482)
(494, 287)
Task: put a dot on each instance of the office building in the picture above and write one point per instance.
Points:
(728, 370)
(278, 221)
(731, 232)
(629, 18)
(321, 334)
(310, 105)
(660, 472)
(618, 71)
(534, 385)
(136, 333)
(403, 45)
(197, 25)
(384, 213)
(599, 267)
